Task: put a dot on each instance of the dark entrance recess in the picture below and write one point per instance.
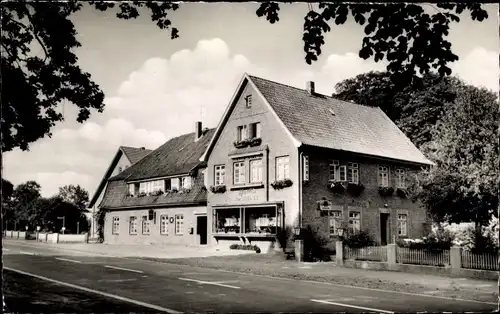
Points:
(201, 228)
(384, 224)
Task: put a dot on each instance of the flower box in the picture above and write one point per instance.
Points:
(241, 144)
(386, 190)
(355, 189)
(324, 204)
(218, 189)
(336, 187)
(403, 193)
(156, 193)
(255, 141)
(142, 194)
(281, 184)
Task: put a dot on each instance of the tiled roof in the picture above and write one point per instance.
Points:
(323, 121)
(116, 197)
(135, 154)
(177, 156)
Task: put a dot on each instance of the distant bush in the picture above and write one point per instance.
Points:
(436, 241)
(358, 239)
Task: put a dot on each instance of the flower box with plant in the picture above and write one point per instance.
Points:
(241, 144)
(386, 190)
(256, 141)
(247, 247)
(281, 184)
(324, 204)
(129, 195)
(218, 189)
(174, 190)
(184, 190)
(403, 193)
(156, 193)
(336, 187)
(142, 194)
(355, 189)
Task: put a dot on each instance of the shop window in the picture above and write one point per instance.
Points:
(261, 221)
(227, 220)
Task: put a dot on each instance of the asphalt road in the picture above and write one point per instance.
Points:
(176, 288)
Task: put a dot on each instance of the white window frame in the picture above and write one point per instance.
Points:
(145, 225)
(332, 176)
(355, 216)
(256, 170)
(342, 173)
(131, 189)
(133, 225)
(402, 225)
(174, 183)
(353, 170)
(282, 168)
(239, 178)
(179, 224)
(242, 132)
(164, 225)
(248, 101)
(219, 174)
(400, 178)
(383, 176)
(305, 169)
(255, 130)
(116, 225)
(186, 182)
(335, 221)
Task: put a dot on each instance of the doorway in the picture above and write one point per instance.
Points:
(384, 228)
(201, 229)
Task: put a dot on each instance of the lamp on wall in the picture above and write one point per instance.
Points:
(340, 232)
(296, 231)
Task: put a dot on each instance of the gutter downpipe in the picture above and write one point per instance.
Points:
(300, 190)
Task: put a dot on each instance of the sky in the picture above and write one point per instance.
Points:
(156, 88)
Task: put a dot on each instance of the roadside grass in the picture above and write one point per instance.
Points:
(26, 294)
(275, 265)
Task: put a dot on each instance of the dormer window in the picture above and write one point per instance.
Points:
(248, 101)
(186, 182)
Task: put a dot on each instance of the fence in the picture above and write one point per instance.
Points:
(423, 257)
(484, 261)
(369, 253)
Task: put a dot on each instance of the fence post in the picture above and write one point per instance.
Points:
(455, 258)
(391, 255)
(339, 252)
(299, 250)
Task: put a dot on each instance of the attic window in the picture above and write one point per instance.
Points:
(332, 112)
(248, 100)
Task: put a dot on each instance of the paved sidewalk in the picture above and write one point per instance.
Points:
(117, 250)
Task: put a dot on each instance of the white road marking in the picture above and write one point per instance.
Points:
(69, 260)
(109, 295)
(27, 253)
(210, 283)
(352, 306)
(126, 269)
(116, 280)
(4, 249)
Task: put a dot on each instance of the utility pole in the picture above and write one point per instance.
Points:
(78, 227)
(64, 223)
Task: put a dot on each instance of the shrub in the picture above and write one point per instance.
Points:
(355, 189)
(336, 187)
(281, 184)
(386, 190)
(247, 247)
(314, 245)
(436, 241)
(358, 239)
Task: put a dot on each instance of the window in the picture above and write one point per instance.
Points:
(335, 222)
(260, 220)
(355, 221)
(133, 225)
(164, 224)
(145, 225)
(131, 189)
(282, 168)
(120, 169)
(116, 225)
(305, 162)
(400, 178)
(255, 130)
(248, 101)
(158, 185)
(256, 171)
(220, 173)
(402, 224)
(174, 183)
(383, 176)
(342, 176)
(168, 185)
(333, 170)
(353, 173)
(179, 224)
(242, 133)
(227, 220)
(186, 182)
(151, 186)
(239, 173)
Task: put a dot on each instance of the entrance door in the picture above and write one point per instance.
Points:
(201, 223)
(384, 226)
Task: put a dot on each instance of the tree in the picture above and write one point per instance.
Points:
(24, 202)
(55, 207)
(463, 186)
(75, 195)
(415, 107)
(7, 191)
(411, 40)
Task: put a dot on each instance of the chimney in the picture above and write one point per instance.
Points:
(310, 87)
(143, 148)
(198, 131)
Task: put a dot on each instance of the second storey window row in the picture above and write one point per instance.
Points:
(160, 185)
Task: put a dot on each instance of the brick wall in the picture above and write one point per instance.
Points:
(370, 203)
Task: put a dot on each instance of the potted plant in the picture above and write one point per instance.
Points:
(218, 189)
(142, 194)
(355, 189)
(386, 190)
(256, 141)
(281, 184)
(403, 193)
(241, 144)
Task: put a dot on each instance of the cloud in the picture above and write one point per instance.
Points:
(165, 96)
